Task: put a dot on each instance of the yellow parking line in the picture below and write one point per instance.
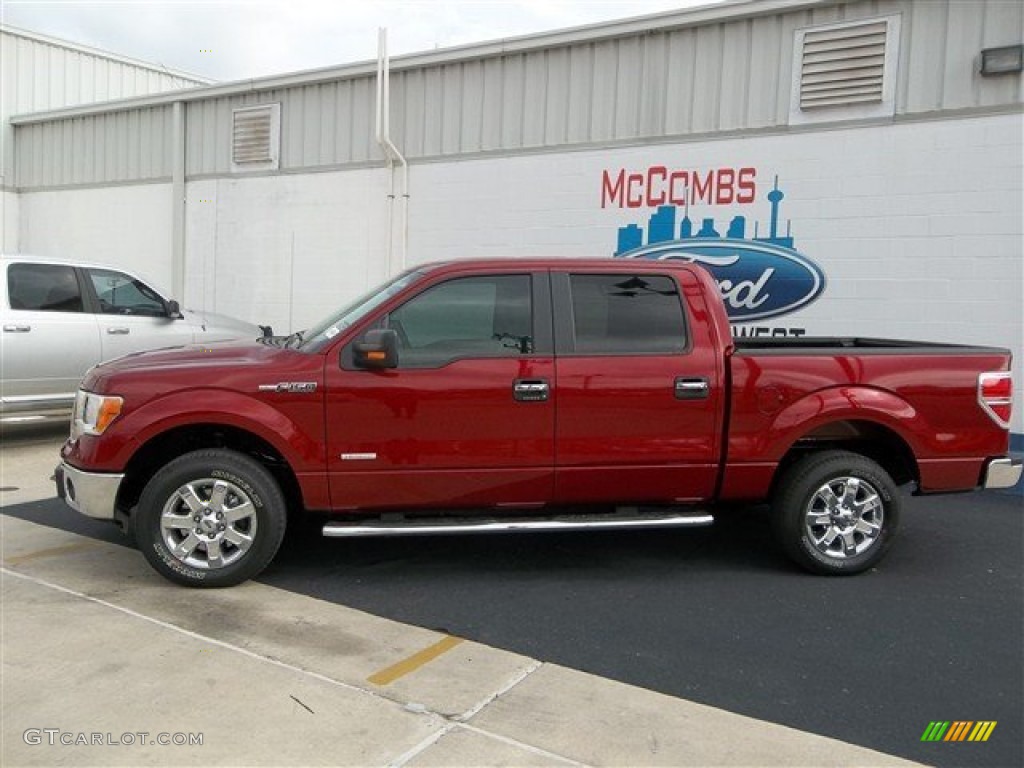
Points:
(412, 663)
(51, 552)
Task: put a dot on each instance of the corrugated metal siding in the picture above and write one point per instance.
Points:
(730, 76)
(322, 124)
(116, 147)
(36, 76)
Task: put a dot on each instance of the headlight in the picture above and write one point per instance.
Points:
(94, 413)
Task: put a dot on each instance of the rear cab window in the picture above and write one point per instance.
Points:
(621, 314)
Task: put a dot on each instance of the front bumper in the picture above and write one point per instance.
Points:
(91, 493)
(1002, 473)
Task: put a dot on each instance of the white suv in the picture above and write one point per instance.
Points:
(59, 319)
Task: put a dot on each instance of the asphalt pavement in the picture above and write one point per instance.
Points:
(719, 616)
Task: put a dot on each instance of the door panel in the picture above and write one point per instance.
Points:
(438, 437)
(121, 335)
(639, 421)
(48, 339)
(467, 417)
(47, 353)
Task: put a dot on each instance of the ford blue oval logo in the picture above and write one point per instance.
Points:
(757, 279)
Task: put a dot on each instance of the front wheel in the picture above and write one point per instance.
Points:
(835, 512)
(211, 518)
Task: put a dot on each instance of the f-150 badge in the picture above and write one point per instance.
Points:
(289, 386)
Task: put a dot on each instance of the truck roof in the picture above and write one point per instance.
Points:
(550, 262)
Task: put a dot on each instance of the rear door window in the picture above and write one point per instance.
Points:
(623, 314)
(44, 288)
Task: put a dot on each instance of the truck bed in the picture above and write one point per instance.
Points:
(830, 345)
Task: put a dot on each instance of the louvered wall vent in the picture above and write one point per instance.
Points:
(845, 71)
(255, 133)
(843, 66)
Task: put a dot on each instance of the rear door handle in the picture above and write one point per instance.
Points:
(17, 328)
(530, 390)
(119, 330)
(692, 388)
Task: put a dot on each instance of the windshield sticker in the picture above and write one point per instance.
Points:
(331, 332)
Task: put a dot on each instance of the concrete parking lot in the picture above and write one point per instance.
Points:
(695, 648)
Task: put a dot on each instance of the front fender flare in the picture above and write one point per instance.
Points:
(225, 408)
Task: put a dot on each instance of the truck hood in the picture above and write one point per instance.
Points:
(239, 365)
(205, 355)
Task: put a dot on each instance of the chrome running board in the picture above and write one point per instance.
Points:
(434, 526)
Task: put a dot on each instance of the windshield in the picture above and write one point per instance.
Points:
(321, 334)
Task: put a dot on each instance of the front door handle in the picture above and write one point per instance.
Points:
(119, 330)
(696, 388)
(17, 328)
(530, 390)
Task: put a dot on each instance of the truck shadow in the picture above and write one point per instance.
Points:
(740, 541)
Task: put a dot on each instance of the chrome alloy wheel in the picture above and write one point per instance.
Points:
(844, 517)
(208, 523)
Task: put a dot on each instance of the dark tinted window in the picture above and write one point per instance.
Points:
(43, 287)
(120, 294)
(467, 317)
(627, 314)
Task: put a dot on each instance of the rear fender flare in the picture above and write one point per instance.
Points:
(846, 403)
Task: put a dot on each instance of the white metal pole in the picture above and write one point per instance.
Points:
(384, 64)
(178, 140)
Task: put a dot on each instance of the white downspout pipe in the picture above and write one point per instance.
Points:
(395, 263)
(178, 202)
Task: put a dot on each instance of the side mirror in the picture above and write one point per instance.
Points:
(173, 310)
(377, 349)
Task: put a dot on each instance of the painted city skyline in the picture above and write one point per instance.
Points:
(661, 227)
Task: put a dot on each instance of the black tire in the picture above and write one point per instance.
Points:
(830, 525)
(225, 521)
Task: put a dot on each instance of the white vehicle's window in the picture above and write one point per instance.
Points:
(43, 288)
(121, 294)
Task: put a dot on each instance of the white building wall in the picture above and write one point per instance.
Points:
(285, 250)
(8, 221)
(918, 227)
(908, 221)
(126, 226)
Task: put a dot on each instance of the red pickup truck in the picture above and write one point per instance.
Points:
(529, 394)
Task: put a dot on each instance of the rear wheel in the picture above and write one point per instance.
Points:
(211, 518)
(836, 512)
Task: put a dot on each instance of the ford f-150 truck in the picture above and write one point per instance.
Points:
(529, 394)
